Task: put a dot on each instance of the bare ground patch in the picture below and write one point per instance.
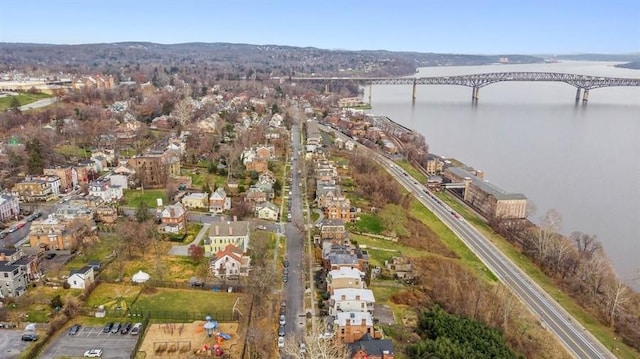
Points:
(178, 339)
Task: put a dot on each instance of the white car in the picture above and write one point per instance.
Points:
(93, 353)
(283, 320)
(280, 342)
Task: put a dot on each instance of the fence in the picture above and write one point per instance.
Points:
(136, 315)
(145, 325)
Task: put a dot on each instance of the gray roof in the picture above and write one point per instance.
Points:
(486, 186)
(371, 346)
(226, 229)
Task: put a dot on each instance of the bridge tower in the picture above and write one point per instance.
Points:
(578, 95)
(370, 89)
(585, 96)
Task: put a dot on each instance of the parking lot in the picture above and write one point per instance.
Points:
(115, 346)
(11, 344)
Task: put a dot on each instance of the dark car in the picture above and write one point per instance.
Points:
(115, 328)
(125, 328)
(29, 337)
(50, 255)
(74, 329)
(107, 327)
(281, 331)
(286, 264)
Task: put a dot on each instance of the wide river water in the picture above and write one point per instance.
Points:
(531, 137)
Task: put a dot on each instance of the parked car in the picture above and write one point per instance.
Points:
(107, 327)
(74, 329)
(93, 353)
(283, 320)
(50, 255)
(29, 337)
(116, 328)
(135, 330)
(280, 342)
(125, 328)
(303, 348)
(281, 331)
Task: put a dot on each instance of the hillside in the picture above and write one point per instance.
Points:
(275, 60)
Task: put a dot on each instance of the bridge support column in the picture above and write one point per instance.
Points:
(585, 96)
(326, 88)
(475, 94)
(578, 95)
(370, 90)
(413, 92)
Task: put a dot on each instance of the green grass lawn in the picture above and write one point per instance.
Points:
(113, 295)
(133, 197)
(369, 223)
(23, 98)
(412, 171)
(167, 300)
(72, 151)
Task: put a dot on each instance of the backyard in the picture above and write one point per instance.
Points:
(133, 197)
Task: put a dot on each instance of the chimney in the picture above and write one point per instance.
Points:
(358, 297)
(230, 230)
(235, 218)
(217, 230)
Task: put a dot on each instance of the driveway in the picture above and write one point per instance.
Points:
(39, 103)
(184, 250)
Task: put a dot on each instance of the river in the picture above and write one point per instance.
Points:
(531, 137)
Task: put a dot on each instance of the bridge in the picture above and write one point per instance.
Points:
(583, 83)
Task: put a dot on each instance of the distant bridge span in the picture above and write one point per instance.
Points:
(477, 81)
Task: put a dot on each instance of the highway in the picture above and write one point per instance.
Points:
(579, 342)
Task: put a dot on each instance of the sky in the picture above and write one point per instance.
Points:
(442, 26)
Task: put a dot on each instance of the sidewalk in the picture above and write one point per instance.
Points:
(184, 250)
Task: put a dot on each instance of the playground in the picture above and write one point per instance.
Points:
(174, 339)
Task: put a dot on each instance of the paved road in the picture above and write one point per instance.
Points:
(295, 287)
(571, 334)
(40, 103)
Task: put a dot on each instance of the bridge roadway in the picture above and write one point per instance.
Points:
(578, 341)
(477, 81)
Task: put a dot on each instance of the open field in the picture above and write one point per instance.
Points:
(200, 301)
(133, 197)
(23, 98)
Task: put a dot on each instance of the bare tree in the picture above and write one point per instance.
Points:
(586, 243)
(542, 236)
(616, 295)
(316, 346)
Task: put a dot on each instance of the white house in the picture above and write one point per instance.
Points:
(351, 300)
(81, 278)
(267, 210)
(218, 201)
(9, 207)
(349, 145)
(230, 262)
(105, 190)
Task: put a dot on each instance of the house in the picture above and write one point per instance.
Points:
(173, 218)
(9, 207)
(351, 300)
(349, 145)
(257, 164)
(196, 200)
(267, 177)
(52, 181)
(219, 201)
(370, 348)
(221, 234)
(51, 233)
(339, 209)
(81, 278)
(255, 195)
(34, 191)
(268, 211)
(66, 174)
(230, 261)
(352, 326)
(13, 279)
(333, 229)
(344, 277)
(154, 169)
(105, 190)
(265, 152)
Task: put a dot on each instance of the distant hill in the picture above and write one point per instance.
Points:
(630, 65)
(275, 60)
(601, 57)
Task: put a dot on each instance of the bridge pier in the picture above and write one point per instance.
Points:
(474, 94)
(585, 96)
(578, 95)
(370, 89)
(413, 92)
